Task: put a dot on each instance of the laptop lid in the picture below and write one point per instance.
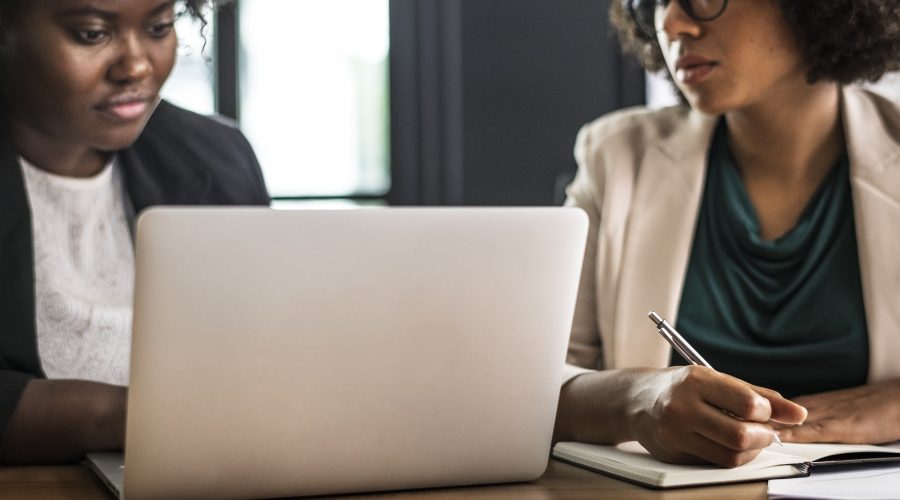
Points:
(281, 353)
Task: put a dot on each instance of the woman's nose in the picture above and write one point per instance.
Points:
(675, 23)
(133, 64)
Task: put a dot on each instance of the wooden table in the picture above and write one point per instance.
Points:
(559, 481)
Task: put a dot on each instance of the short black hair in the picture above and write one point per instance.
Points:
(842, 41)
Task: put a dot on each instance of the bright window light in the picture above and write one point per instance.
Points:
(314, 94)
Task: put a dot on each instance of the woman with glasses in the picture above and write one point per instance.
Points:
(85, 144)
(760, 218)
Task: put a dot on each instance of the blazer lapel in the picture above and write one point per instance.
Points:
(872, 130)
(658, 240)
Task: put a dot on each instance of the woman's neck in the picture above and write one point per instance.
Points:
(56, 156)
(793, 137)
(784, 149)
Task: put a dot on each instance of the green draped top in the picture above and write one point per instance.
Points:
(785, 314)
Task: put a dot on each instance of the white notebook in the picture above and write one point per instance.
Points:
(631, 462)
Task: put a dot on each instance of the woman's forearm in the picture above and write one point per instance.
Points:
(595, 407)
(59, 421)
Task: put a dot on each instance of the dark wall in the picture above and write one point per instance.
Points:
(488, 95)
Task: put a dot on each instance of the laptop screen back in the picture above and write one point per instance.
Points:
(281, 353)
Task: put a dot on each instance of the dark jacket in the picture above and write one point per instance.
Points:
(181, 158)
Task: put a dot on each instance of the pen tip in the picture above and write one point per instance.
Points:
(777, 439)
(655, 318)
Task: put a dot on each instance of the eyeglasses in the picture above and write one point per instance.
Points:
(644, 11)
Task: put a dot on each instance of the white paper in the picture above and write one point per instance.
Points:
(865, 482)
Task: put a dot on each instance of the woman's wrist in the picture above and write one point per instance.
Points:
(600, 407)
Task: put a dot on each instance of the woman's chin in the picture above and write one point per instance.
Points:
(708, 105)
(119, 139)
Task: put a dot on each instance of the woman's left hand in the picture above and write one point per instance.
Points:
(865, 414)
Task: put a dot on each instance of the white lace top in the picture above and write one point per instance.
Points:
(84, 274)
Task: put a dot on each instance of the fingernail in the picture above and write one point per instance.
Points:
(776, 438)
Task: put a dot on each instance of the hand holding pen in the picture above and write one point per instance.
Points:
(686, 351)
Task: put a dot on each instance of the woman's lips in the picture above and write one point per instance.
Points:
(694, 74)
(125, 110)
(692, 69)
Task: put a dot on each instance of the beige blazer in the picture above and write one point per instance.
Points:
(640, 179)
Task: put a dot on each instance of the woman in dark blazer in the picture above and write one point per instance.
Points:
(79, 97)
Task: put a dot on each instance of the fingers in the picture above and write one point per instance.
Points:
(848, 427)
(863, 414)
(722, 456)
(822, 431)
(728, 394)
(731, 433)
(784, 411)
(745, 401)
(765, 406)
(692, 448)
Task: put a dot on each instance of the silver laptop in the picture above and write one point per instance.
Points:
(290, 353)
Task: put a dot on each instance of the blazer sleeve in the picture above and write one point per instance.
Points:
(246, 177)
(225, 154)
(18, 348)
(12, 384)
(259, 194)
(586, 192)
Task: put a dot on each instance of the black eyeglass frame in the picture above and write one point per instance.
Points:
(648, 29)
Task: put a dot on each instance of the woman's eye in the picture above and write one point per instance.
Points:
(90, 36)
(160, 30)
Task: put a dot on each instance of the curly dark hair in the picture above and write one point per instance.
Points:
(197, 9)
(843, 41)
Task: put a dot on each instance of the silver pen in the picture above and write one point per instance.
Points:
(685, 350)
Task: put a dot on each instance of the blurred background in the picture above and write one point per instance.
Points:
(413, 102)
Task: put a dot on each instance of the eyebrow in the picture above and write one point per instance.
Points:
(91, 10)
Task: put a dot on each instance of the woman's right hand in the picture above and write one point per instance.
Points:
(694, 414)
(687, 414)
